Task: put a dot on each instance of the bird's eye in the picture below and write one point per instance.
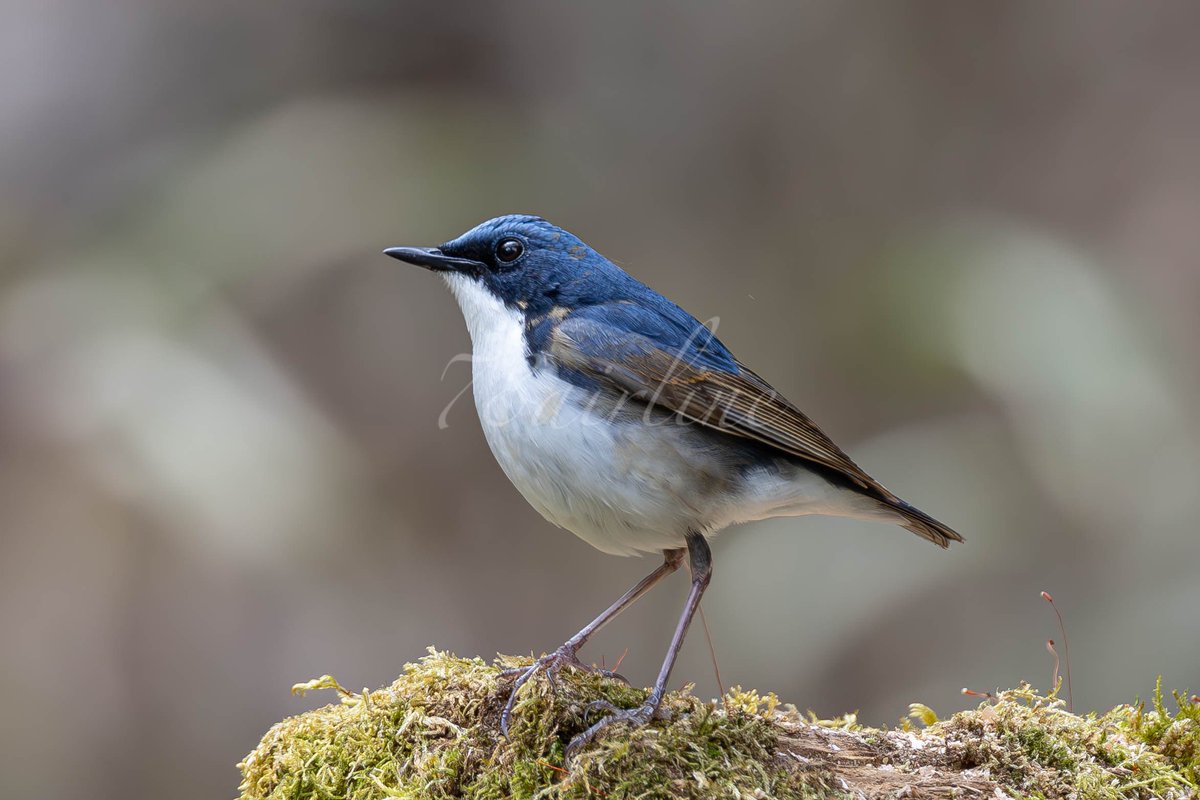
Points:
(509, 250)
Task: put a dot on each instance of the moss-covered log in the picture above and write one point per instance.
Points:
(434, 734)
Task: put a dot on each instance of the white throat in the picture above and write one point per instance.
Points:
(502, 382)
(488, 319)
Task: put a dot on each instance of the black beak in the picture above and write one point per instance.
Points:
(433, 258)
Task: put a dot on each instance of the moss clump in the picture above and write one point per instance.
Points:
(1174, 736)
(1032, 744)
(434, 734)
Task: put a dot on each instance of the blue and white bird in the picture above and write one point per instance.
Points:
(623, 419)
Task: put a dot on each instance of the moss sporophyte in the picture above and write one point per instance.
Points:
(434, 733)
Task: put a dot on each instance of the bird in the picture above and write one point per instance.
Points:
(622, 418)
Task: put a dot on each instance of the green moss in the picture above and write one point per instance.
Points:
(1033, 745)
(434, 734)
(1176, 737)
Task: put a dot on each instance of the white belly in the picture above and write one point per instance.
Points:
(582, 473)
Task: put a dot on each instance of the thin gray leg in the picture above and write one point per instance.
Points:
(671, 561)
(700, 561)
(566, 653)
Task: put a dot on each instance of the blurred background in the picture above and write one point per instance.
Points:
(963, 237)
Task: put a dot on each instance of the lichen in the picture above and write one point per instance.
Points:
(434, 734)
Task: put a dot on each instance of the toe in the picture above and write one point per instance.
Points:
(634, 716)
(600, 705)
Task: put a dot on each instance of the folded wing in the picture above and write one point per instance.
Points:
(686, 370)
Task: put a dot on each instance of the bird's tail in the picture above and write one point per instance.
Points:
(924, 525)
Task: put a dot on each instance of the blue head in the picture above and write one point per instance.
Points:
(528, 264)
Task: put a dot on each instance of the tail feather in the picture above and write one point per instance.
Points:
(925, 526)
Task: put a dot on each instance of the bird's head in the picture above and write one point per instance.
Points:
(524, 262)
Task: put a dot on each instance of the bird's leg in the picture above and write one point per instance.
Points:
(565, 655)
(700, 561)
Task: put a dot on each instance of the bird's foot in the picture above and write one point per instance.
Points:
(634, 716)
(551, 664)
